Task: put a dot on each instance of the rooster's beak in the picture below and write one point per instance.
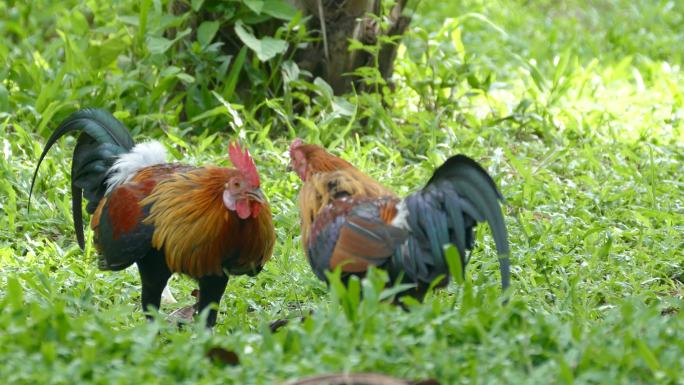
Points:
(289, 167)
(257, 195)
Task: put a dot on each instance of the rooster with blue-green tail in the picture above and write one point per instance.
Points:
(205, 222)
(350, 221)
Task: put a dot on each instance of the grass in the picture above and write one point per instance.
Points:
(575, 107)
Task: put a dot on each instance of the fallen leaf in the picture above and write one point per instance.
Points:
(218, 354)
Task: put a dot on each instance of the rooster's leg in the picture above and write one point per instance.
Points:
(154, 273)
(211, 291)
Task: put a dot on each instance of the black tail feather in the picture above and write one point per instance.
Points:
(476, 186)
(102, 138)
(458, 196)
(77, 214)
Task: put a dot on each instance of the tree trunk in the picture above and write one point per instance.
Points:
(335, 23)
(338, 21)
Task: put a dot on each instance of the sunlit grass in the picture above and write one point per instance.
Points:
(575, 107)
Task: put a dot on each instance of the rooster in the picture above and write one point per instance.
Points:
(350, 221)
(205, 222)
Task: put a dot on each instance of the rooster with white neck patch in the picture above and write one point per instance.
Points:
(202, 221)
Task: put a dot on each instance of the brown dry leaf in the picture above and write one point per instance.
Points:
(218, 354)
(185, 314)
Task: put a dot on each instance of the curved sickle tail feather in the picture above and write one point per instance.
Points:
(102, 138)
(475, 185)
(459, 194)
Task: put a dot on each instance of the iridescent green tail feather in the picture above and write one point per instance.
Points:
(102, 138)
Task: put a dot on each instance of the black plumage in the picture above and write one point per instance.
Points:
(101, 139)
(355, 231)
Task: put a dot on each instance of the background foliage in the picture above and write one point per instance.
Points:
(575, 107)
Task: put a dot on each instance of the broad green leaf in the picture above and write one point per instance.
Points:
(185, 77)
(453, 259)
(196, 5)
(255, 5)
(78, 22)
(265, 48)
(280, 9)
(342, 107)
(290, 71)
(102, 54)
(324, 88)
(158, 44)
(133, 20)
(206, 32)
(169, 71)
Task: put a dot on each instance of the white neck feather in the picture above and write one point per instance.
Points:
(400, 220)
(127, 165)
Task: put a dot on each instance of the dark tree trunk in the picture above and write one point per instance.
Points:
(338, 21)
(333, 22)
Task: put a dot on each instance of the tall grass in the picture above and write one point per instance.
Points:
(575, 107)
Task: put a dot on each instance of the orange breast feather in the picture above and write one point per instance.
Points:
(197, 233)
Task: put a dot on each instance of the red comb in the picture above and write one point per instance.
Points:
(296, 143)
(244, 163)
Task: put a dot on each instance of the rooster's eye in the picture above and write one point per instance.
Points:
(236, 184)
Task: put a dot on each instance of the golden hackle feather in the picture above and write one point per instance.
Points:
(329, 177)
(322, 188)
(195, 230)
